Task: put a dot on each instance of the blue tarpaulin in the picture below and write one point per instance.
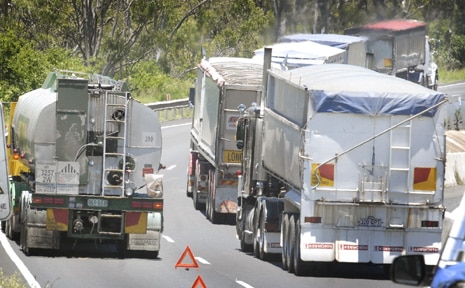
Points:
(342, 88)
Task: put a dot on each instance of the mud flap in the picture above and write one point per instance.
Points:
(37, 235)
(149, 241)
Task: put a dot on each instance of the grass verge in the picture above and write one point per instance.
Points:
(13, 281)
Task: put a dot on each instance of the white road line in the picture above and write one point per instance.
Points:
(22, 268)
(167, 238)
(243, 284)
(170, 167)
(201, 260)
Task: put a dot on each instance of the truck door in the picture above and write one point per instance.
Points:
(5, 195)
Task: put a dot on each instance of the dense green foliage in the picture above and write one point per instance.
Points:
(155, 44)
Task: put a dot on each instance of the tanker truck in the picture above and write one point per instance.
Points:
(340, 163)
(83, 162)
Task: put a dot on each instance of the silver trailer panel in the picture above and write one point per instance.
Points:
(222, 84)
(328, 120)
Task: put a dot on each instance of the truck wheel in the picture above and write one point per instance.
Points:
(122, 247)
(256, 246)
(284, 235)
(215, 217)
(23, 238)
(240, 228)
(188, 194)
(290, 245)
(153, 254)
(261, 240)
(195, 199)
(8, 229)
(435, 85)
(298, 263)
(244, 246)
(210, 203)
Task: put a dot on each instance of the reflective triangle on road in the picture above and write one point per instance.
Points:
(199, 281)
(181, 264)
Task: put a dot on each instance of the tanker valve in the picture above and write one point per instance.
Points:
(78, 224)
(115, 178)
(93, 219)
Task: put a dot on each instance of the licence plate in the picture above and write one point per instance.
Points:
(232, 156)
(97, 202)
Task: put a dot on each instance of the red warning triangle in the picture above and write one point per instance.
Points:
(187, 265)
(199, 283)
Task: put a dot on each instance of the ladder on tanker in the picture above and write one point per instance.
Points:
(114, 144)
(400, 157)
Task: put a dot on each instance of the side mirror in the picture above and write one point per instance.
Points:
(191, 96)
(408, 270)
(240, 133)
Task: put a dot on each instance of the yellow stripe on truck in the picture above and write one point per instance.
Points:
(135, 223)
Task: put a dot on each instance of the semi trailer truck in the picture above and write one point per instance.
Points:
(340, 163)
(401, 48)
(221, 85)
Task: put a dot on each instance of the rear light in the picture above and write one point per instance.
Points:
(37, 200)
(314, 220)
(146, 205)
(48, 200)
(429, 223)
(15, 154)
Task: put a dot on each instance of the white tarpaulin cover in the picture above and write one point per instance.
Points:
(333, 40)
(302, 54)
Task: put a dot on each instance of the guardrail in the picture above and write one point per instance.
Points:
(171, 110)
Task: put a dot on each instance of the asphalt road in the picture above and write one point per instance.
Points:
(215, 248)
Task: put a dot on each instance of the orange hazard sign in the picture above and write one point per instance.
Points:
(199, 283)
(181, 263)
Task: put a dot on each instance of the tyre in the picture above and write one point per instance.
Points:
(23, 238)
(256, 246)
(188, 194)
(261, 240)
(290, 245)
(284, 235)
(244, 246)
(299, 267)
(122, 248)
(215, 217)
